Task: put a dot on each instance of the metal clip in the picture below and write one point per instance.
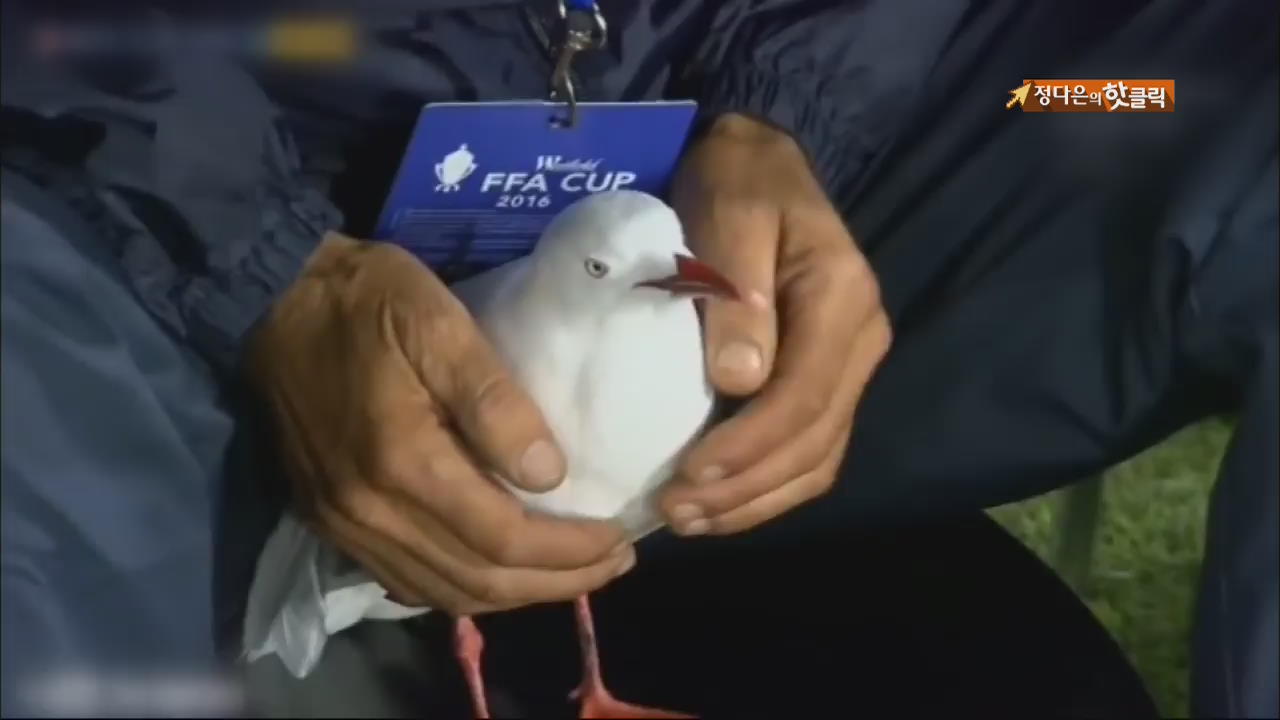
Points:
(583, 30)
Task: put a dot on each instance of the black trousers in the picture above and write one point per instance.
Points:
(954, 616)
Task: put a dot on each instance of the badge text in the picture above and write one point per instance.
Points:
(573, 182)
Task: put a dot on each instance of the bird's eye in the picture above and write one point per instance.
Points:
(595, 268)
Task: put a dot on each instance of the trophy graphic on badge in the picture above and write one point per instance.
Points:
(454, 168)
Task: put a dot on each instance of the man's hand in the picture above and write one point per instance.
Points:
(391, 408)
(805, 339)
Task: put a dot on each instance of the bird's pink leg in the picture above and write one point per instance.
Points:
(469, 644)
(596, 700)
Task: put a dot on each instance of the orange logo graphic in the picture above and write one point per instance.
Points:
(1074, 96)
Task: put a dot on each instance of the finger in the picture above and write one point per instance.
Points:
(684, 503)
(873, 344)
(440, 478)
(786, 497)
(485, 584)
(495, 585)
(391, 573)
(823, 309)
(739, 240)
(407, 579)
(498, 419)
(389, 566)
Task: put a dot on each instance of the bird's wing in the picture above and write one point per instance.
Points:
(644, 525)
(641, 400)
(483, 292)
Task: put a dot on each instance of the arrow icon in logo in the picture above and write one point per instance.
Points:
(1019, 96)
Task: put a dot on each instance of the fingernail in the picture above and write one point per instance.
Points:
(541, 465)
(709, 474)
(686, 512)
(696, 527)
(739, 358)
(689, 519)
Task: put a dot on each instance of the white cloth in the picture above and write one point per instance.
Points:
(305, 590)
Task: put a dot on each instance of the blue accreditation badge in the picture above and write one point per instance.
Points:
(480, 181)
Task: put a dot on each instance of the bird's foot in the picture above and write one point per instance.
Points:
(469, 645)
(597, 702)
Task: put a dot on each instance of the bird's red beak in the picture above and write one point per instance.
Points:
(693, 278)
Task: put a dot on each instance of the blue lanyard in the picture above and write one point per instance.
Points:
(583, 29)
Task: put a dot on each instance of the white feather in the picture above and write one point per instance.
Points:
(617, 372)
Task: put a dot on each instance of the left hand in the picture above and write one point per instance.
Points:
(805, 339)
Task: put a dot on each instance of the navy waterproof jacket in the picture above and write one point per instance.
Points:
(214, 179)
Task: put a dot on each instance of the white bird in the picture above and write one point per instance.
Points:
(598, 325)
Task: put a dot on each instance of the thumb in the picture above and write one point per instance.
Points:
(741, 242)
(494, 415)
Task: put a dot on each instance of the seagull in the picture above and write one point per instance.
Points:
(598, 324)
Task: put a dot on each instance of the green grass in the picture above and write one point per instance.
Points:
(1147, 553)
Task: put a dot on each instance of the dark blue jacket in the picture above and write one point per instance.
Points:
(213, 179)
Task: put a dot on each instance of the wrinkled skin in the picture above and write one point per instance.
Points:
(804, 342)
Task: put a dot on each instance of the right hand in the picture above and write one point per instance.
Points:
(392, 409)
